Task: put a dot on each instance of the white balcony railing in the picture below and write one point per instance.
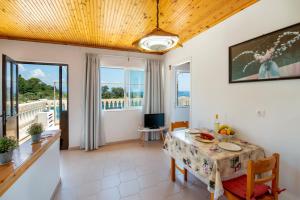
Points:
(29, 111)
(121, 103)
(183, 101)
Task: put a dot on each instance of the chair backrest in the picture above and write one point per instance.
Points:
(182, 124)
(262, 166)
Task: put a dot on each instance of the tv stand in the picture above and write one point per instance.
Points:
(144, 131)
(154, 128)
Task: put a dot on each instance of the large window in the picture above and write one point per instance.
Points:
(121, 88)
(183, 88)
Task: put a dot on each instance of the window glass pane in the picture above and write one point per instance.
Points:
(183, 88)
(8, 88)
(64, 83)
(112, 88)
(121, 88)
(14, 89)
(136, 88)
(136, 95)
(136, 77)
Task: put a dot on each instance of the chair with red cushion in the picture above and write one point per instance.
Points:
(249, 187)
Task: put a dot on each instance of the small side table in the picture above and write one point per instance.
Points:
(145, 131)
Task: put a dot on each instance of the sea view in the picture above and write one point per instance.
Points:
(183, 93)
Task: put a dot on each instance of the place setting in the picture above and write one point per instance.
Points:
(221, 140)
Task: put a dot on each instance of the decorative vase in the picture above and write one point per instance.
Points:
(6, 157)
(36, 138)
(268, 69)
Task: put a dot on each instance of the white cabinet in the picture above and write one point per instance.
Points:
(46, 119)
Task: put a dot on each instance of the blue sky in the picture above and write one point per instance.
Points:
(112, 75)
(184, 82)
(50, 73)
(116, 75)
(47, 73)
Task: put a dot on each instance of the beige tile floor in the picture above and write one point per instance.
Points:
(124, 172)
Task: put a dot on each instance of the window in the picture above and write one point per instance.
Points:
(121, 88)
(183, 88)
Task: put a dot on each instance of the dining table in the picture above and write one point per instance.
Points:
(207, 161)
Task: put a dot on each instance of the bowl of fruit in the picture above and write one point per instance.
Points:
(225, 133)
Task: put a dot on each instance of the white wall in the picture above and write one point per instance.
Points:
(122, 125)
(75, 58)
(279, 130)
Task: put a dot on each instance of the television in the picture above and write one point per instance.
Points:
(154, 121)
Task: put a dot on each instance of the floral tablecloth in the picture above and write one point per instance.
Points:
(210, 165)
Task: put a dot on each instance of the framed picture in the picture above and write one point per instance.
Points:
(274, 56)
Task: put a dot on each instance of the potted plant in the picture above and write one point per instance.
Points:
(35, 130)
(7, 146)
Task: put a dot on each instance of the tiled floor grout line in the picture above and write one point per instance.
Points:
(132, 166)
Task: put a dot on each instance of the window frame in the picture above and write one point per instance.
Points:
(178, 71)
(126, 85)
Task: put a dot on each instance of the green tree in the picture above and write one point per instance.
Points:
(117, 92)
(21, 84)
(106, 94)
(34, 89)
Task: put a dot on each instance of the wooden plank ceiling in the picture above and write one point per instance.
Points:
(112, 24)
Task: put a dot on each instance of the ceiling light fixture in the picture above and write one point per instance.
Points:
(157, 40)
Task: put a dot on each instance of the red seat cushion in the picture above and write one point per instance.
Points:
(238, 187)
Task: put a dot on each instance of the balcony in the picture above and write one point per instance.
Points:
(28, 111)
(183, 101)
(121, 103)
(28, 114)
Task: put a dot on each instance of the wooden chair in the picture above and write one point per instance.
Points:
(250, 187)
(174, 166)
(182, 124)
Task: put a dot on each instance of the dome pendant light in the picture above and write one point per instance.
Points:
(157, 40)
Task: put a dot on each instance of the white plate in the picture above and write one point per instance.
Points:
(204, 140)
(229, 146)
(194, 131)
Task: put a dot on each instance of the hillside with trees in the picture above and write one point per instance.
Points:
(34, 89)
(117, 93)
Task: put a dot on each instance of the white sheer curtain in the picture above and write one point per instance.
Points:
(154, 96)
(92, 136)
